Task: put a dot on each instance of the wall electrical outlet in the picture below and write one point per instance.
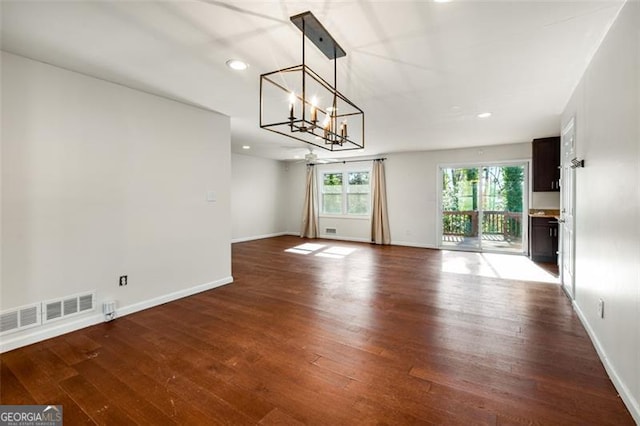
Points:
(123, 280)
(601, 308)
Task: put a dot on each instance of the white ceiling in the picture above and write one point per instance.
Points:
(420, 70)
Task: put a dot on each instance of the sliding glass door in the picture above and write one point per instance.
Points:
(482, 208)
(460, 213)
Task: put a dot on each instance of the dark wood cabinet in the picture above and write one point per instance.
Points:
(546, 163)
(543, 234)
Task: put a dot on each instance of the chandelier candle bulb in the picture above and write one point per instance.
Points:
(325, 126)
(292, 99)
(314, 110)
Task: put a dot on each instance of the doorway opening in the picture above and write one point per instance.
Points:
(482, 208)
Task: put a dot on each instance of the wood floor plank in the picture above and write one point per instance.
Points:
(54, 366)
(73, 348)
(172, 405)
(278, 417)
(32, 376)
(121, 395)
(165, 361)
(12, 392)
(383, 335)
(94, 403)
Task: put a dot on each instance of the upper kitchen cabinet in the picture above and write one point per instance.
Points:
(546, 163)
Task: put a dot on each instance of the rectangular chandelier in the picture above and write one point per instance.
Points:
(298, 103)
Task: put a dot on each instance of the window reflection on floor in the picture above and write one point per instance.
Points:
(495, 266)
(322, 250)
(492, 265)
(305, 248)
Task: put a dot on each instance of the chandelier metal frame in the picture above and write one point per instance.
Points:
(326, 128)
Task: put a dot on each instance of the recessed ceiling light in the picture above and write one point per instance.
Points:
(484, 115)
(237, 64)
(441, 1)
(246, 147)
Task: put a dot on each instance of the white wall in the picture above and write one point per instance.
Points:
(99, 181)
(545, 200)
(607, 112)
(258, 197)
(411, 192)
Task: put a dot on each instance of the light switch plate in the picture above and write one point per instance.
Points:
(211, 196)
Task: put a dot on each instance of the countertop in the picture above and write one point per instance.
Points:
(545, 213)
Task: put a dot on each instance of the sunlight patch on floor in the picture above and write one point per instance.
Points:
(495, 265)
(305, 248)
(340, 251)
(321, 250)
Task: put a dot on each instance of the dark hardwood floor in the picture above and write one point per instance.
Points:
(381, 335)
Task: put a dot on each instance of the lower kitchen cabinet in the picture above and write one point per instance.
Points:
(543, 235)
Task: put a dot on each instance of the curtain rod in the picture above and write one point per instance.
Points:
(347, 161)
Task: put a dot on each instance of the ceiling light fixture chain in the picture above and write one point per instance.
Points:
(332, 133)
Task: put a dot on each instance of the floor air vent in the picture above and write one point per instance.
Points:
(331, 231)
(19, 318)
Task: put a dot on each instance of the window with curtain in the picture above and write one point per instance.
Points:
(346, 193)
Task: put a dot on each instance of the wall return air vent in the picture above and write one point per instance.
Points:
(67, 306)
(20, 318)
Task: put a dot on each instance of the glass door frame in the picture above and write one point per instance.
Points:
(526, 195)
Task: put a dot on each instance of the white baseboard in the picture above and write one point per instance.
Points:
(627, 397)
(260, 237)
(337, 238)
(146, 304)
(411, 244)
(38, 334)
(340, 238)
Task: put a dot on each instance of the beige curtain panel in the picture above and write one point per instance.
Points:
(380, 233)
(310, 210)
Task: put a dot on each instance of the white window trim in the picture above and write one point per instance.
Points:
(345, 169)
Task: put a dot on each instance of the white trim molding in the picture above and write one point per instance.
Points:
(627, 396)
(39, 334)
(413, 244)
(261, 237)
(339, 238)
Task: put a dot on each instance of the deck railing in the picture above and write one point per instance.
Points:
(466, 223)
